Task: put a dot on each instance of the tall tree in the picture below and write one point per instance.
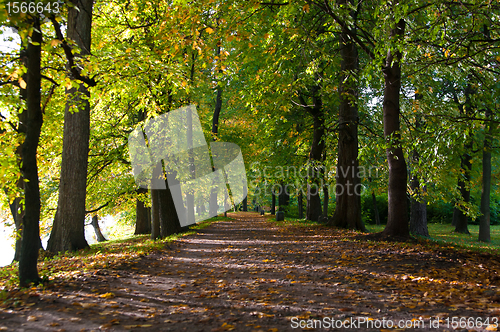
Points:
(464, 178)
(68, 230)
(397, 218)
(348, 193)
(313, 208)
(418, 203)
(484, 220)
(28, 271)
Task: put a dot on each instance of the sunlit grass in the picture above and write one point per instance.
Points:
(444, 234)
(290, 221)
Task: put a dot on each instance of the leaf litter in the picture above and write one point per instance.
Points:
(252, 274)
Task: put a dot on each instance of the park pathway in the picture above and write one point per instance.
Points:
(252, 274)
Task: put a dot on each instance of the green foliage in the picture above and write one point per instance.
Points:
(439, 212)
(444, 235)
(367, 209)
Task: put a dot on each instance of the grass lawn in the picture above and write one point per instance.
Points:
(443, 233)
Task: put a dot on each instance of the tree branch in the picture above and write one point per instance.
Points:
(70, 56)
(97, 209)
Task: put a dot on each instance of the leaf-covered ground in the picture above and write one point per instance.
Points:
(255, 275)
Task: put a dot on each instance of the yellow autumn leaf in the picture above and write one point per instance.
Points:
(227, 327)
(22, 83)
(54, 42)
(209, 30)
(107, 295)
(491, 328)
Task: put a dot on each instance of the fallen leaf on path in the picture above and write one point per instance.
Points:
(107, 295)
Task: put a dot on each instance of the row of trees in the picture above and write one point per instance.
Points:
(317, 85)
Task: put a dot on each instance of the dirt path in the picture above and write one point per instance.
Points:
(251, 275)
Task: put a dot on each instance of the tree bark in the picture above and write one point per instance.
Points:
(301, 205)
(325, 201)
(484, 220)
(461, 221)
(28, 271)
(164, 197)
(97, 229)
(16, 207)
(142, 221)
(155, 214)
(461, 225)
(397, 219)
(313, 208)
(213, 206)
(283, 198)
(418, 214)
(347, 190)
(273, 203)
(418, 203)
(169, 220)
(245, 204)
(68, 230)
(375, 209)
(455, 216)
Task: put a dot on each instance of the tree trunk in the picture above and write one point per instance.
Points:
(325, 201)
(418, 203)
(348, 185)
(17, 214)
(418, 214)
(142, 221)
(155, 214)
(301, 205)
(16, 207)
(68, 230)
(313, 208)
(97, 229)
(169, 220)
(464, 177)
(273, 203)
(455, 216)
(397, 219)
(283, 198)
(484, 220)
(215, 131)
(245, 204)
(164, 197)
(461, 225)
(28, 271)
(375, 209)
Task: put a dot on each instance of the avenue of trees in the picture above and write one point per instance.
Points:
(397, 98)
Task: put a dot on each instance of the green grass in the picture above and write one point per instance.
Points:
(444, 234)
